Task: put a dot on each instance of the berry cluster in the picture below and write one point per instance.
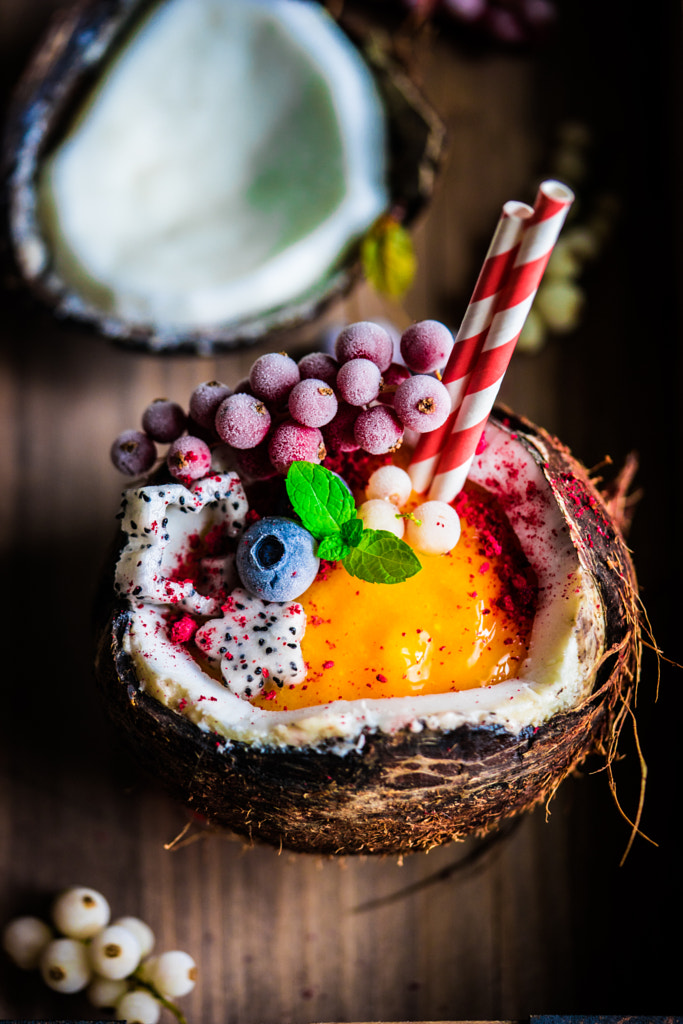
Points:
(81, 949)
(287, 411)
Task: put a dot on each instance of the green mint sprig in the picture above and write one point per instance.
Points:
(326, 509)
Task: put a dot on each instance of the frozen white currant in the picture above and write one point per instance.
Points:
(138, 1007)
(434, 528)
(173, 973)
(80, 912)
(114, 952)
(106, 992)
(64, 965)
(141, 930)
(390, 483)
(378, 514)
(24, 939)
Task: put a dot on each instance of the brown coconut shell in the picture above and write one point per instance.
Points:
(407, 791)
(66, 65)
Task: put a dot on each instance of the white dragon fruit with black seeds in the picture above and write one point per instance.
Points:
(255, 641)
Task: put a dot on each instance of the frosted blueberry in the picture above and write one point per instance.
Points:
(276, 559)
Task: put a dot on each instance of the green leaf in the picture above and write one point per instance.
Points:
(380, 557)
(322, 501)
(333, 548)
(351, 531)
(388, 257)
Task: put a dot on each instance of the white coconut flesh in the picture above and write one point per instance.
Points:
(566, 641)
(228, 157)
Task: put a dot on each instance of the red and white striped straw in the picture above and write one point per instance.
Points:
(539, 235)
(470, 338)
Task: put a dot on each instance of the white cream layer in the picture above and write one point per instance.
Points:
(567, 635)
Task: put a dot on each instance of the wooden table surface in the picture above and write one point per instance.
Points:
(545, 919)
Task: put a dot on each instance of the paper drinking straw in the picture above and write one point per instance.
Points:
(471, 335)
(539, 236)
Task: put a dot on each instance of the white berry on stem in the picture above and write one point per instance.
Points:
(114, 952)
(24, 939)
(138, 1007)
(173, 973)
(434, 528)
(64, 965)
(79, 912)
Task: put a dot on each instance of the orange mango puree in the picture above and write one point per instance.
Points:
(443, 629)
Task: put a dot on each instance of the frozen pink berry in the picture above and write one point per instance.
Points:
(242, 420)
(204, 402)
(426, 346)
(378, 430)
(133, 452)
(164, 420)
(391, 378)
(254, 463)
(320, 365)
(273, 376)
(188, 458)
(365, 340)
(422, 403)
(359, 381)
(338, 433)
(312, 402)
(293, 442)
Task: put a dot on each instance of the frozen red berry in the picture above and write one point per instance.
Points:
(365, 340)
(293, 442)
(426, 346)
(204, 402)
(359, 381)
(273, 375)
(338, 433)
(312, 402)
(133, 452)
(242, 420)
(391, 378)
(164, 420)
(422, 403)
(320, 365)
(378, 430)
(188, 458)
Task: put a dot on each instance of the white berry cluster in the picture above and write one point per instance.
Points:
(432, 527)
(82, 949)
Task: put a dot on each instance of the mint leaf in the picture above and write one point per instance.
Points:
(380, 557)
(351, 531)
(321, 500)
(332, 548)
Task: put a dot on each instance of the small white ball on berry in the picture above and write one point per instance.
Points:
(390, 483)
(379, 514)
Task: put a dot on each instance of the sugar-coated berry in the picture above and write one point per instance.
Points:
(242, 420)
(64, 965)
(276, 559)
(391, 378)
(378, 430)
(426, 346)
(254, 463)
(320, 365)
(365, 340)
(292, 442)
(174, 973)
(312, 402)
(133, 452)
(80, 912)
(114, 952)
(164, 420)
(24, 939)
(204, 401)
(141, 930)
(106, 992)
(138, 1007)
(390, 483)
(188, 458)
(338, 433)
(378, 514)
(273, 375)
(423, 403)
(435, 528)
(359, 381)
(242, 386)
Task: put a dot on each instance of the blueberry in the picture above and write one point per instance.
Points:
(276, 559)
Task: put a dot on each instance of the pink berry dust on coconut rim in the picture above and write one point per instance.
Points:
(310, 483)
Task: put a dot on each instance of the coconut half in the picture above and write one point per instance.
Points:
(395, 774)
(195, 173)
